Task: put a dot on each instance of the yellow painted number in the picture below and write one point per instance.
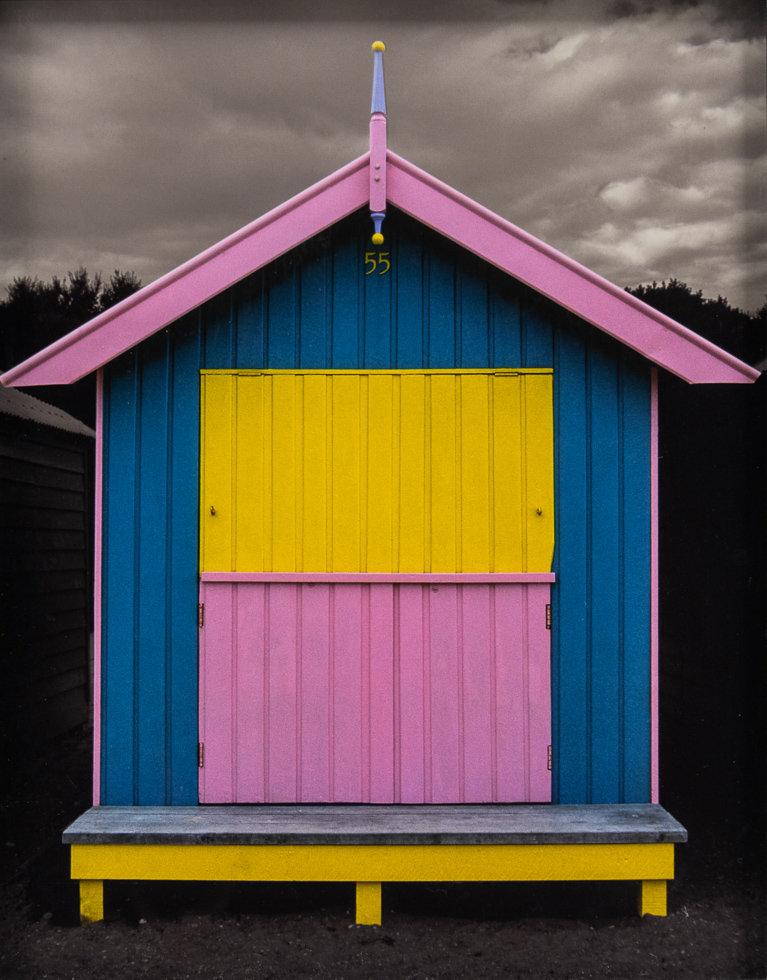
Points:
(375, 261)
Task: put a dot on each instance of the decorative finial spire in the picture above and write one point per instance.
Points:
(378, 144)
(378, 102)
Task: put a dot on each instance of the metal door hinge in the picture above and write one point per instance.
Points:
(201, 754)
(201, 615)
(548, 615)
(548, 758)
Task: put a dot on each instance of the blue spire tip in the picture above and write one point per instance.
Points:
(378, 101)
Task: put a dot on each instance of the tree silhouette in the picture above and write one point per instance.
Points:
(740, 333)
(36, 314)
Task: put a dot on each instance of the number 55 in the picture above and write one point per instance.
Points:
(370, 259)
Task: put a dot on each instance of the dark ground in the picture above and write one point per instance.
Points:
(715, 927)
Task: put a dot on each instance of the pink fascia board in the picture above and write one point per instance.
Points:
(139, 316)
(97, 571)
(456, 578)
(566, 282)
(654, 593)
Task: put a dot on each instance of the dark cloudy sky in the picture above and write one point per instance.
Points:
(628, 134)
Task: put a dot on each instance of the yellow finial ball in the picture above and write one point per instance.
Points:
(377, 238)
(379, 46)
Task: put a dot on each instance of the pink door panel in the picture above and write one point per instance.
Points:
(374, 693)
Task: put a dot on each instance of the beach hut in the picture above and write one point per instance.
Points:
(376, 572)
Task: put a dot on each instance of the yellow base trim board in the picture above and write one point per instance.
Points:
(91, 901)
(368, 903)
(652, 897)
(373, 863)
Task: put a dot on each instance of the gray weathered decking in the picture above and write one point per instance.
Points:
(643, 823)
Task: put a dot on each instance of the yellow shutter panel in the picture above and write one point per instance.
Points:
(377, 471)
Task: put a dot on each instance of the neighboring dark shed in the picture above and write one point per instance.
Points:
(46, 503)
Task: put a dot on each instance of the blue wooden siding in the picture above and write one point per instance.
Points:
(437, 307)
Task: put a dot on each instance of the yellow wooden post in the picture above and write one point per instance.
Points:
(652, 897)
(91, 901)
(368, 903)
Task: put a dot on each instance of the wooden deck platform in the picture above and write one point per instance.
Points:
(372, 844)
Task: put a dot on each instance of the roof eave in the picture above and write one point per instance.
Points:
(124, 325)
(563, 280)
(567, 283)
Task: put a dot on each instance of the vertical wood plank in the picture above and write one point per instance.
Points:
(181, 567)
(411, 336)
(217, 663)
(313, 324)
(441, 309)
(282, 715)
(442, 652)
(377, 311)
(218, 336)
(477, 667)
(475, 468)
(411, 473)
(152, 559)
(380, 462)
(410, 775)
(506, 346)
(315, 483)
(347, 263)
(571, 640)
(248, 692)
(445, 475)
(606, 504)
(216, 475)
(381, 703)
(249, 473)
(538, 701)
(347, 693)
(473, 315)
(537, 334)
(315, 697)
(508, 458)
(346, 473)
(282, 340)
(510, 654)
(250, 308)
(120, 587)
(283, 425)
(539, 471)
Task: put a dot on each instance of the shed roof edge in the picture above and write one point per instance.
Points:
(542, 275)
(495, 239)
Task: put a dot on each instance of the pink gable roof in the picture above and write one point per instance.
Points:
(489, 236)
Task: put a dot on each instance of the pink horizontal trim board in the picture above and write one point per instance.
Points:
(170, 297)
(563, 280)
(379, 577)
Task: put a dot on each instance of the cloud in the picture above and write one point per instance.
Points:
(630, 139)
